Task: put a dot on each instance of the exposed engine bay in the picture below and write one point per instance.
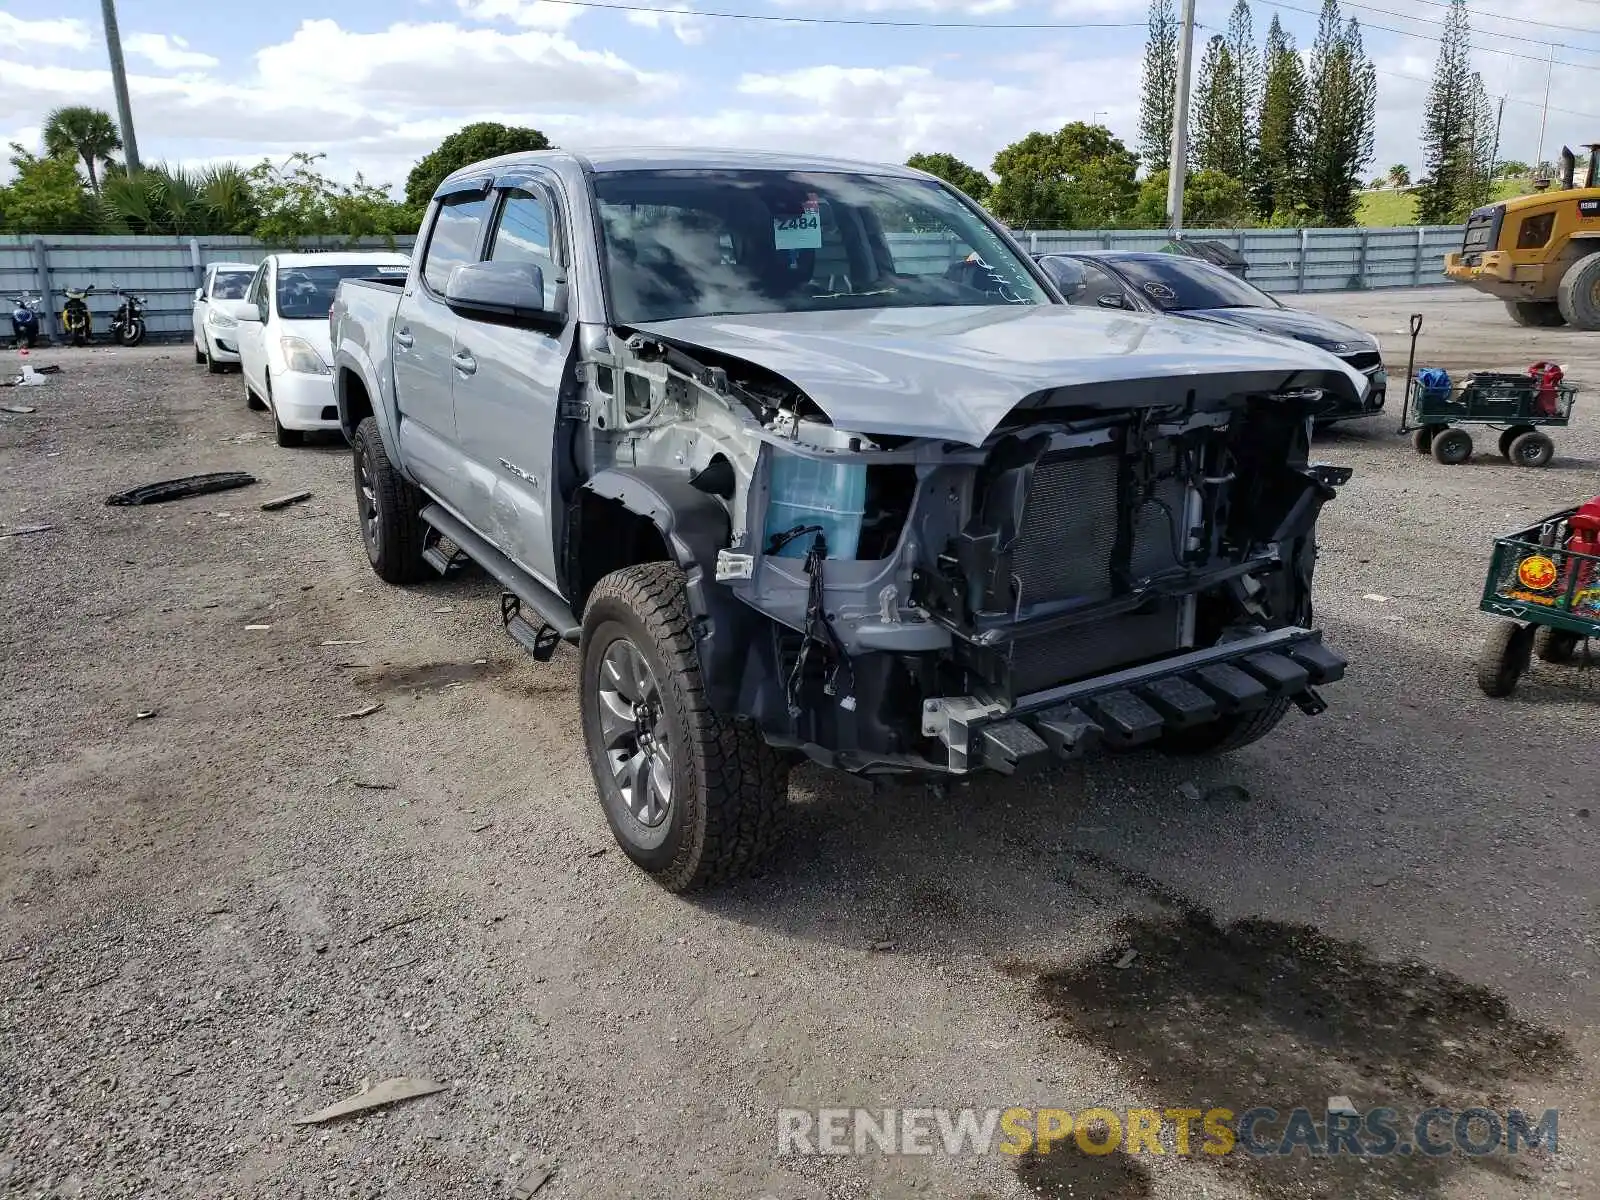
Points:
(1107, 564)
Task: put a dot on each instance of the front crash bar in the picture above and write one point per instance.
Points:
(1133, 706)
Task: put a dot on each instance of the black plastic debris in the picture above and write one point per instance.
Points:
(177, 489)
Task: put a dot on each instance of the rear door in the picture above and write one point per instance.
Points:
(422, 343)
(508, 381)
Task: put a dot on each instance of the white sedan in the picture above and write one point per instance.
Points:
(284, 344)
(217, 304)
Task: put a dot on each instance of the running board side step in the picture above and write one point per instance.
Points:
(528, 592)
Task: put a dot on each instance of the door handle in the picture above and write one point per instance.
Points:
(464, 362)
(402, 337)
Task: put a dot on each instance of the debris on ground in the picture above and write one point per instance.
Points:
(257, 628)
(1341, 1106)
(392, 925)
(177, 489)
(144, 714)
(1227, 793)
(361, 712)
(1375, 598)
(1126, 961)
(1189, 790)
(390, 1091)
(26, 530)
(481, 828)
(883, 947)
(372, 787)
(19, 409)
(597, 851)
(284, 501)
(346, 642)
(532, 1182)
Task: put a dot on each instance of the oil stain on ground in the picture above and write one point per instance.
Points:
(1067, 1174)
(1259, 1013)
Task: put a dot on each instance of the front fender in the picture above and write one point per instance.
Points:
(694, 524)
(352, 363)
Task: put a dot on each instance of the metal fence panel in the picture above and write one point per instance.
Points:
(166, 270)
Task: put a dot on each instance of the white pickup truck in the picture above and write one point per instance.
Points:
(810, 460)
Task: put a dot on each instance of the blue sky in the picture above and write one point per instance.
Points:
(377, 85)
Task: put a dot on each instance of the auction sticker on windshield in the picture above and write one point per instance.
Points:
(802, 231)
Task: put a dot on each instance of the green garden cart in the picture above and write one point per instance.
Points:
(1549, 594)
(1521, 407)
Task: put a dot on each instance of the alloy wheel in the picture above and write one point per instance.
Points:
(634, 733)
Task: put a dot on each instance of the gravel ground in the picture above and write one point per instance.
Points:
(240, 909)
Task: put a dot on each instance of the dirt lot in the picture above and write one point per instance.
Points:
(237, 910)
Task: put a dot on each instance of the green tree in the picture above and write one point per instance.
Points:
(1210, 198)
(469, 144)
(297, 202)
(953, 171)
(164, 199)
(1457, 130)
(1157, 88)
(1280, 171)
(1245, 60)
(85, 134)
(1218, 125)
(1511, 168)
(1342, 109)
(45, 196)
(1398, 176)
(1080, 177)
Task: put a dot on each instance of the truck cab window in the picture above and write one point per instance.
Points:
(454, 239)
(523, 236)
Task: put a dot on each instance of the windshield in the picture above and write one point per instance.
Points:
(230, 285)
(1176, 284)
(305, 292)
(701, 243)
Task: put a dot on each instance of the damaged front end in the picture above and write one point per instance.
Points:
(1091, 572)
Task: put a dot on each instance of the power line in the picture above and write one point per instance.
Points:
(1569, 112)
(1514, 37)
(1478, 12)
(777, 18)
(1422, 37)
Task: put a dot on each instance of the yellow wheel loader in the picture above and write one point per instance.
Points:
(1539, 253)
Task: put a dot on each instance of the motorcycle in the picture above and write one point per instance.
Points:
(25, 322)
(127, 323)
(75, 318)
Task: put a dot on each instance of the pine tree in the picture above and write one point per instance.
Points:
(1280, 174)
(1245, 111)
(1457, 130)
(1159, 86)
(1342, 109)
(1218, 119)
(1486, 146)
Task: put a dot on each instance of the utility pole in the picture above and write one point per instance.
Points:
(1544, 114)
(1494, 154)
(119, 84)
(1180, 123)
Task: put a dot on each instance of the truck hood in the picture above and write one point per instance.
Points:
(954, 373)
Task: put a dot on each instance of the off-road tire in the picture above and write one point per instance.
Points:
(1226, 733)
(1536, 314)
(1555, 645)
(729, 787)
(1452, 447)
(1506, 654)
(1422, 439)
(395, 548)
(1579, 293)
(1532, 449)
(1507, 436)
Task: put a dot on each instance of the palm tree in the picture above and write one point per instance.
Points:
(78, 131)
(1399, 176)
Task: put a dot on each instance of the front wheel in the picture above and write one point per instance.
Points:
(75, 320)
(133, 332)
(1531, 449)
(1507, 653)
(1535, 314)
(692, 796)
(1452, 447)
(1579, 293)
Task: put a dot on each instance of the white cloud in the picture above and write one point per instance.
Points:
(977, 8)
(440, 66)
(166, 53)
(66, 33)
(530, 14)
(690, 30)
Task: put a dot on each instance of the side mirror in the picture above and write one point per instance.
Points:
(508, 291)
(252, 316)
(199, 295)
(1111, 300)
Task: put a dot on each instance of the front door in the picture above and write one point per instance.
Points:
(422, 342)
(508, 383)
(253, 334)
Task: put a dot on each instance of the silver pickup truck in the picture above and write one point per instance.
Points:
(809, 460)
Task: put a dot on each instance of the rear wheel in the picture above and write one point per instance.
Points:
(1555, 645)
(693, 796)
(1532, 449)
(1579, 293)
(1535, 314)
(1508, 436)
(1452, 446)
(390, 509)
(1506, 654)
(1422, 439)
